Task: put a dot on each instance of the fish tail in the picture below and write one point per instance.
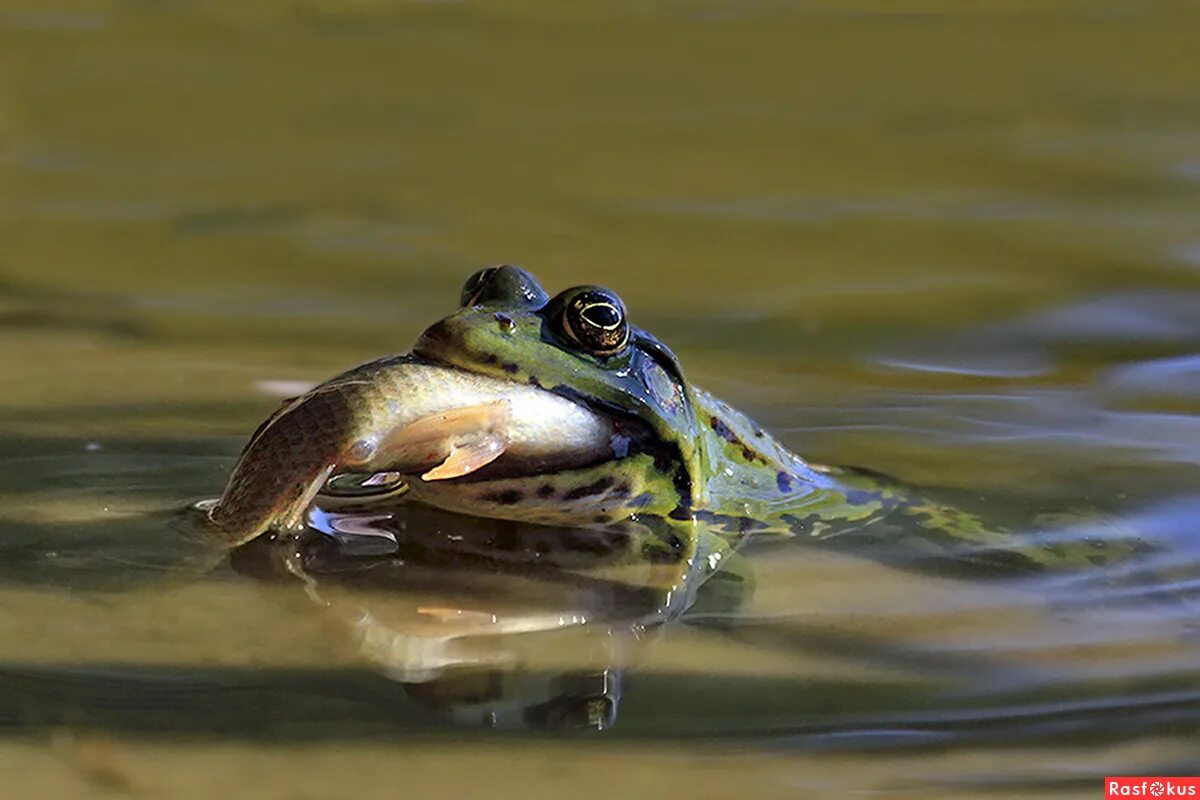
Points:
(285, 464)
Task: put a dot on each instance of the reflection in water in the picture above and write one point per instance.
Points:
(456, 608)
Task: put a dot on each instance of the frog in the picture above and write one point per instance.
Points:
(558, 411)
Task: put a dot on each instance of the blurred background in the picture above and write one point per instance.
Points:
(958, 242)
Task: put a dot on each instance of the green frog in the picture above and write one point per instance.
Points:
(558, 411)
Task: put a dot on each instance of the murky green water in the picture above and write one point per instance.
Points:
(959, 243)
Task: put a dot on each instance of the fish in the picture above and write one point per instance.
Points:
(399, 414)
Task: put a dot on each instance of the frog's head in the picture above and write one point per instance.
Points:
(579, 345)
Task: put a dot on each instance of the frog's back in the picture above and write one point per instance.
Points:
(745, 462)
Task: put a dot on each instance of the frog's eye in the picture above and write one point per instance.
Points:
(594, 318)
(471, 289)
(503, 286)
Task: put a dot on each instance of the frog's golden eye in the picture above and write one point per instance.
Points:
(594, 318)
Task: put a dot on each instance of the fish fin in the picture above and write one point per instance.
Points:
(292, 518)
(457, 442)
(465, 459)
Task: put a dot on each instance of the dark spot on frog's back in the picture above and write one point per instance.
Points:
(510, 368)
(752, 455)
(545, 491)
(801, 526)
(723, 430)
(641, 501)
(728, 523)
(594, 542)
(589, 490)
(857, 497)
(505, 497)
(667, 549)
(745, 525)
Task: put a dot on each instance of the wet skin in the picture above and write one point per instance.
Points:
(693, 465)
(682, 472)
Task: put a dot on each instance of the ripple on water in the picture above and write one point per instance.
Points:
(987, 365)
(1178, 376)
(1187, 254)
(1143, 316)
(1188, 169)
(1026, 347)
(101, 519)
(824, 209)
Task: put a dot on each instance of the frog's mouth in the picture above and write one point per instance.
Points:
(563, 442)
(542, 432)
(545, 438)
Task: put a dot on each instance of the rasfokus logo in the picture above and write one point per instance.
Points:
(1164, 787)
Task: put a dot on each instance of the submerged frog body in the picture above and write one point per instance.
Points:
(558, 411)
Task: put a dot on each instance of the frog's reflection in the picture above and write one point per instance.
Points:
(498, 623)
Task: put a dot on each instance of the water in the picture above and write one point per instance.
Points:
(954, 244)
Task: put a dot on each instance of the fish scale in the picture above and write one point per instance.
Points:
(288, 459)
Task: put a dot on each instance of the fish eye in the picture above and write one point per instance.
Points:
(594, 318)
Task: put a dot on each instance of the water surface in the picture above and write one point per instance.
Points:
(954, 243)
